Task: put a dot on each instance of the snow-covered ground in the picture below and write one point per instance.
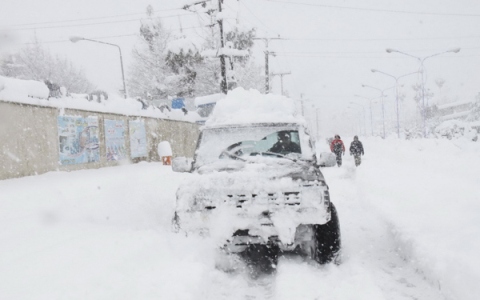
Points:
(410, 221)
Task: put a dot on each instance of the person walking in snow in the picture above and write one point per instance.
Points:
(356, 149)
(337, 147)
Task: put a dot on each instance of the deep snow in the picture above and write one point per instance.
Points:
(410, 221)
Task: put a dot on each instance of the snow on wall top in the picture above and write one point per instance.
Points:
(36, 93)
(242, 107)
(23, 88)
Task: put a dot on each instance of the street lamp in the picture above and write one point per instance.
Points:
(371, 113)
(350, 111)
(422, 70)
(383, 105)
(75, 39)
(396, 78)
(364, 117)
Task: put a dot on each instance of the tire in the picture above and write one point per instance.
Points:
(261, 259)
(327, 239)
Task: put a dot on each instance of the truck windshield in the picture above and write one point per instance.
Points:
(243, 142)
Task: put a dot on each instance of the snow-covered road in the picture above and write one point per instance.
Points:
(105, 234)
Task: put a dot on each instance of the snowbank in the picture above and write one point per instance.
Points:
(17, 88)
(456, 129)
(241, 107)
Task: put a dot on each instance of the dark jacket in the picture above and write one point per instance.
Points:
(280, 147)
(356, 148)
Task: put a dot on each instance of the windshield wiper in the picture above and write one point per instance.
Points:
(284, 156)
(231, 155)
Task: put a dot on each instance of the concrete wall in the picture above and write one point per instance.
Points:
(29, 143)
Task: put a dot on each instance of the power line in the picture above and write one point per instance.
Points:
(96, 38)
(106, 37)
(91, 24)
(261, 22)
(377, 9)
(379, 39)
(88, 19)
(360, 57)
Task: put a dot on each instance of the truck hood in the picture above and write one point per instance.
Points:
(216, 181)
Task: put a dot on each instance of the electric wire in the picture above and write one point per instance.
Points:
(377, 9)
(91, 24)
(88, 19)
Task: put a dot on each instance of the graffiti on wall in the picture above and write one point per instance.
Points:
(115, 140)
(138, 138)
(78, 140)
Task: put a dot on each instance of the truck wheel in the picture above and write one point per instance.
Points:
(261, 259)
(327, 239)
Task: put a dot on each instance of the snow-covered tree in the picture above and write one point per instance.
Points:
(148, 72)
(242, 39)
(182, 59)
(166, 66)
(36, 63)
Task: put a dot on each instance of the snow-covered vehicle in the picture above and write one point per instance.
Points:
(257, 189)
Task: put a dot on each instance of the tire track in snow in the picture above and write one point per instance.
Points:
(370, 241)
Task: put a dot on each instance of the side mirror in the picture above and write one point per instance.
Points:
(182, 164)
(327, 159)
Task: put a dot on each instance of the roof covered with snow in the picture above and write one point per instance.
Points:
(242, 106)
(454, 104)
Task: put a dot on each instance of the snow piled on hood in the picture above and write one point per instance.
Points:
(242, 106)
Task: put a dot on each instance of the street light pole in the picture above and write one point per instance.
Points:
(396, 78)
(364, 117)
(371, 111)
(422, 71)
(383, 105)
(75, 39)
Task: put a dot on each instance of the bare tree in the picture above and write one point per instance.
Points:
(36, 63)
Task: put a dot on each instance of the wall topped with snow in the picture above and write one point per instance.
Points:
(37, 139)
(37, 93)
(242, 106)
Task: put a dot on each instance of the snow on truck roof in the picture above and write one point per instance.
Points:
(242, 106)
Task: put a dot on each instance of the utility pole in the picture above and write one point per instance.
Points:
(223, 70)
(281, 78)
(267, 53)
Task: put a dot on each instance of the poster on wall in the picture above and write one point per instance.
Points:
(138, 138)
(115, 140)
(78, 140)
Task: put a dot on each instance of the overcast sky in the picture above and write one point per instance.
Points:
(328, 46)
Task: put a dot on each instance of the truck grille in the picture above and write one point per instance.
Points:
(284, 198)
